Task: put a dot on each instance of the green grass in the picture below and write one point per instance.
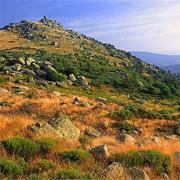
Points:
(74, 155)
(21, 146)
(10, 168)
(150, 158)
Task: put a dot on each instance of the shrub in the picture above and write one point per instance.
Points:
(152, 158)
(43, 166)
(10, 168)
(55, 76)
(45, 144)
(23, 147)
(74, 155)
(70, 174)
(122, 115)
(126, 126)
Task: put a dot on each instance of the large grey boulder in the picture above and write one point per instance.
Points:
(65, 127)
(29, 72)
(137, 174)
(126, 138)
(43, 129)
(40, 73)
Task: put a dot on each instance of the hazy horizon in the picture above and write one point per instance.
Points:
(147, 26)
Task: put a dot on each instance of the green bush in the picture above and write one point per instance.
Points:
(122, 115)
(74, 155)
(151, 158)
(43, 166)
(10, 168)
(70, 174)
(126, 126)
(45, 144)
(55, 76)
(20, 146)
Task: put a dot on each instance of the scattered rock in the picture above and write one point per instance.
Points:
(126, 138)
(41, 73)
(165, 176)
(85, 104)
(56, 93)
(100, 151)
(64, 126)
(114, 171)
(137, 174)
(41, 82)
(156, 140)
(29, 72)
(3, 91)
(72, 77)
(69, 82)
(102, 100)
(76, 101)
(92, 132)
(43, 129)
(62, 84)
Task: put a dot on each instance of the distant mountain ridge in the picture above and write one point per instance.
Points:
(166, 62)
(157, 59)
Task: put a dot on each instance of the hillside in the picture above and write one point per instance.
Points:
(72, 107)
(73, 53)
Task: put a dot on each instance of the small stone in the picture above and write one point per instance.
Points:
(92, 132)
(101, 99)
(126, 138)
(137, 174)
(69, 82)
(114, 171)
(76, 101)
(62, 84)
(100, 151)
(72, 77)
(165, 176)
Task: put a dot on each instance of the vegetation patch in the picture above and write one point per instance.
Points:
(74, 155)
(152, 158)
(21, 146)
(46, 144)
(71, 174)
(43, 166)
(10, 168)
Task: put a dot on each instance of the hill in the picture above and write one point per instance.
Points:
(72, 107)
(72, 53)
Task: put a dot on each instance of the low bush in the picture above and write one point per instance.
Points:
(71, 174)
(22, 147)
(10, 168)
(45, 144)
(126, 126)
(43, 166)
(121, 115)
(152, 158)
(74, 155)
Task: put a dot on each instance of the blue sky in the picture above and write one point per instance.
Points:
(142, 25)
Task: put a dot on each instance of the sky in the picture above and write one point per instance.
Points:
(131, 25)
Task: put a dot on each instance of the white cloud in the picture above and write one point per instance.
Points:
(153, 26)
